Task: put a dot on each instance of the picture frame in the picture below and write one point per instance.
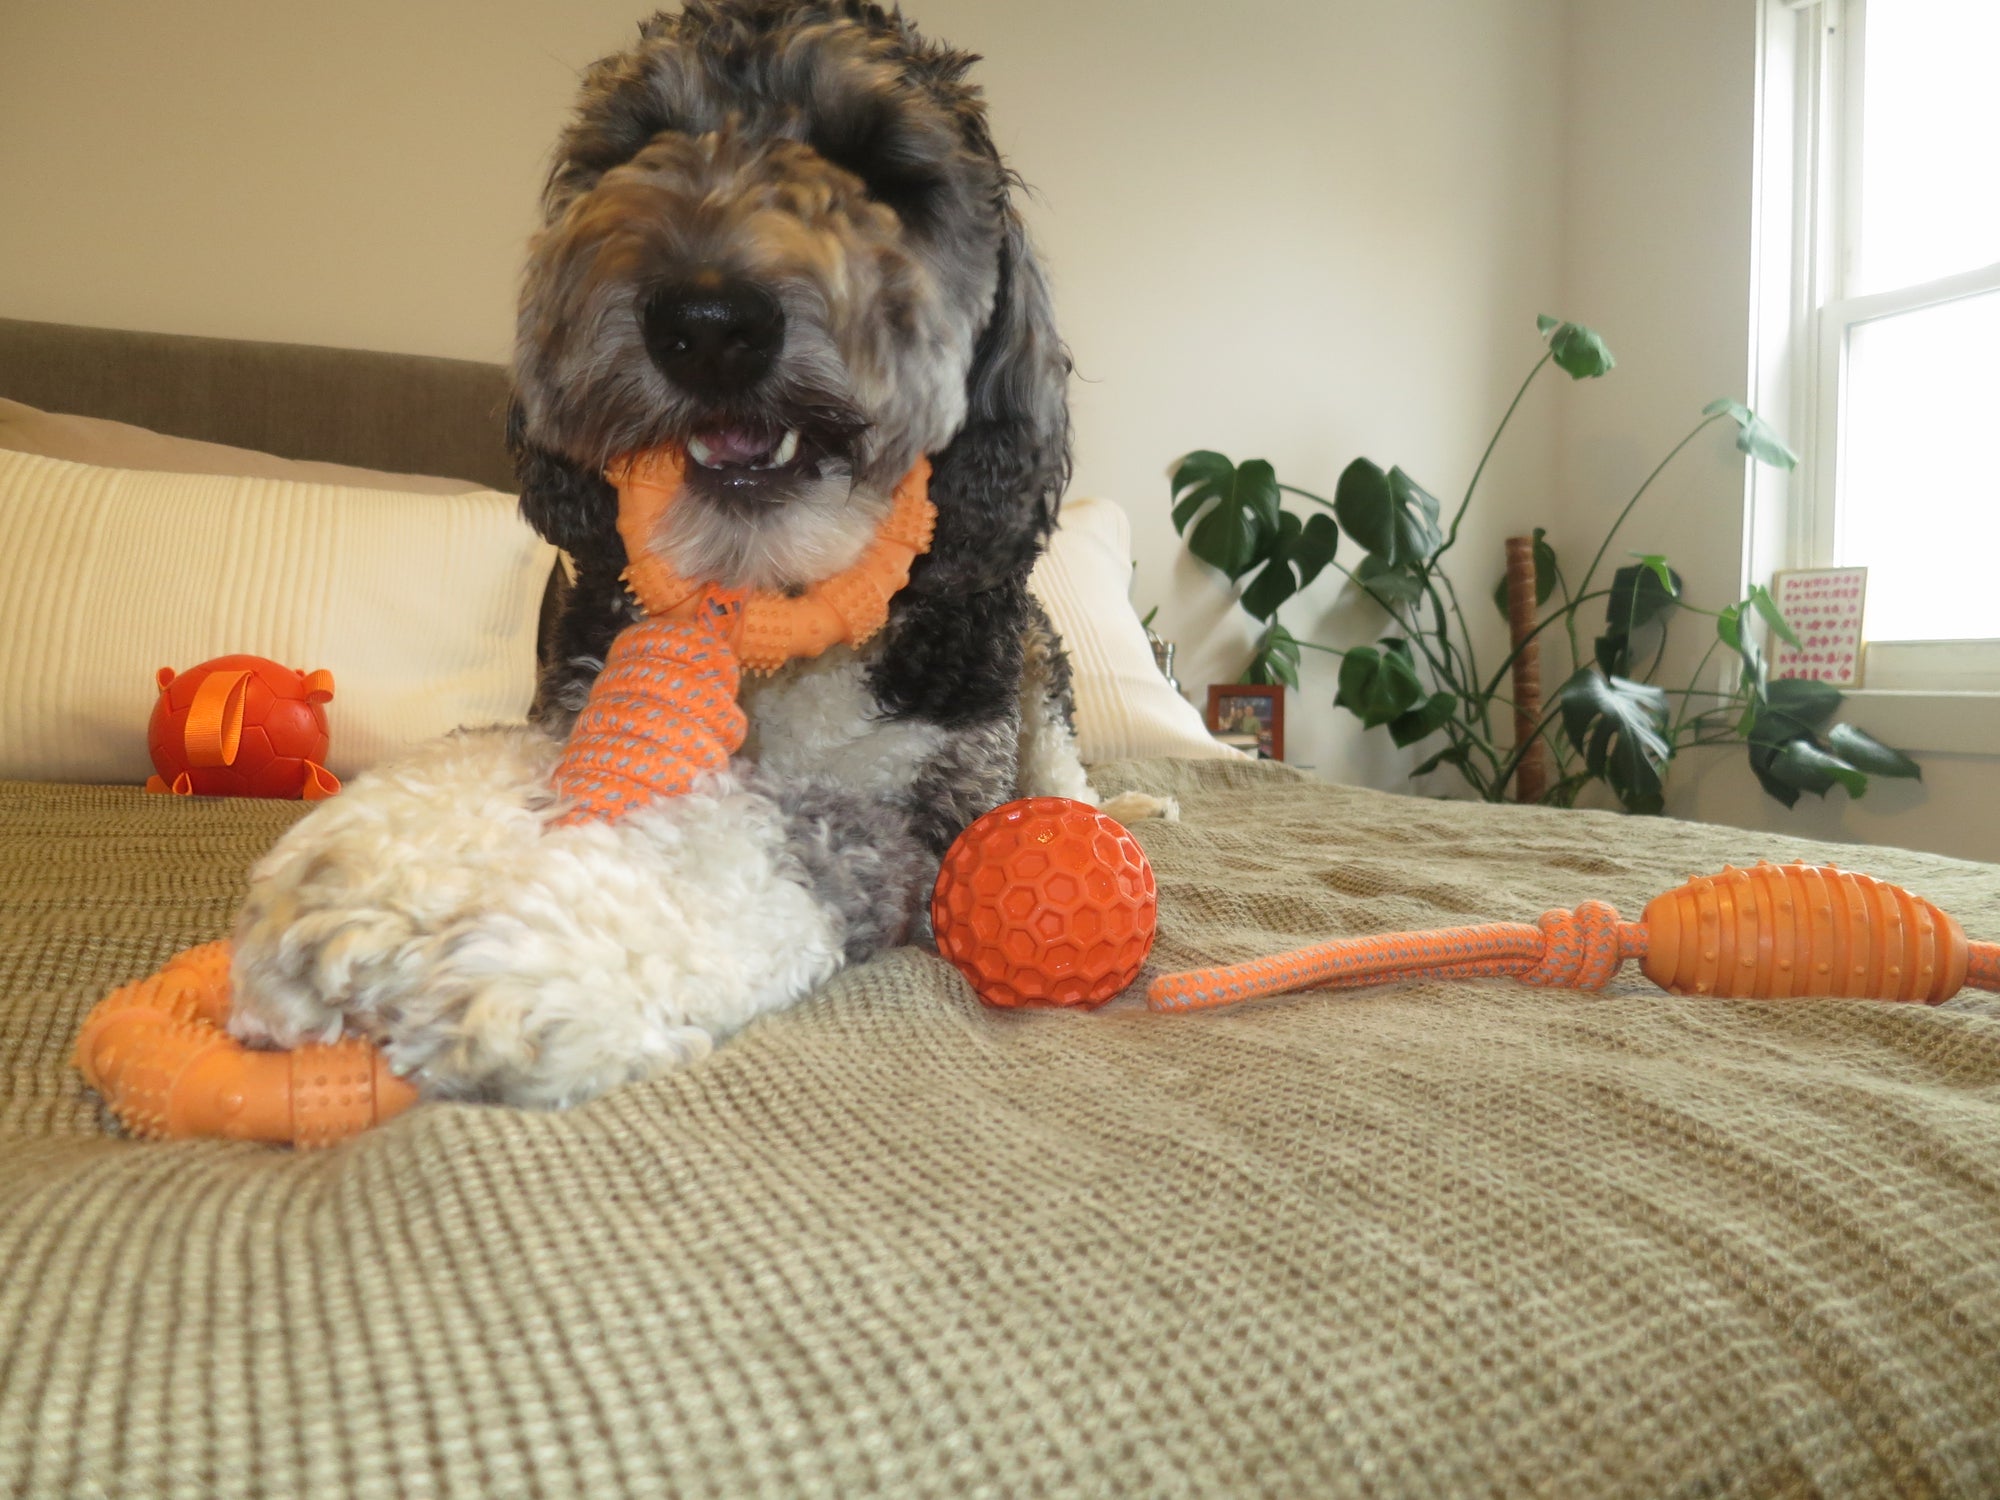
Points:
(1252, 718)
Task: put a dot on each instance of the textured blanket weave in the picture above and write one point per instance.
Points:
(1445, 1239)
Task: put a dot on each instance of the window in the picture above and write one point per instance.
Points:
(1891, 163)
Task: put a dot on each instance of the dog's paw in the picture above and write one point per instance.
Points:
(1138, 807)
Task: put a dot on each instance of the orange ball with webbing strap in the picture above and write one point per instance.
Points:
(1767, 933)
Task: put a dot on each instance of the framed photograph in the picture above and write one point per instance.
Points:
(1250, 718)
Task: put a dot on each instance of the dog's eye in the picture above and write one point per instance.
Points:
(866, 144)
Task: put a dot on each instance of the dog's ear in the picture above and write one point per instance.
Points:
(998, 483)
(569, 505)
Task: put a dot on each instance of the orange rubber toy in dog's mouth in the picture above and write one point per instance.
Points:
(770, 629)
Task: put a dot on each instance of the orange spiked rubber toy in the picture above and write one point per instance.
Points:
(158, 1052)
(1768, 933)
(661, 713)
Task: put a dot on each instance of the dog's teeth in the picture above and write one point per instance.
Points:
(788, 449)
(701, 453)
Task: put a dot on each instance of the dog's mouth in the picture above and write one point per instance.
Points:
(760, 461)
(752, 449)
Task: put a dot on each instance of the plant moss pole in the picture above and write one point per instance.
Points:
(1531, 776)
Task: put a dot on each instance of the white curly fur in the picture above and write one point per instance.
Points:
(431, 907)
(819, 718)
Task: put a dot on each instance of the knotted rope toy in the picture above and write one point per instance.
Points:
(1767, 933)
(661, 714)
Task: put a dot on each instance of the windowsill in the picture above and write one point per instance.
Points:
(1957, 723)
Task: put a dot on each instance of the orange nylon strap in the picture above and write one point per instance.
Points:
(1582, 949)
(1982, 965)
(214, 725)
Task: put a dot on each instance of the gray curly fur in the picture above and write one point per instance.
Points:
(859, 856)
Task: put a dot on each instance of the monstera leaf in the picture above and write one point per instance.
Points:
(1379, 686)
(1793, 750)
(1301, 553)
(1232, 509)
(1392, 516)
(1277, 659)
(1754, 435)
(1545, 574)
(1640, 594)
(1579, 352)
(1389, 584)
(1425, 720)
(1615, 724)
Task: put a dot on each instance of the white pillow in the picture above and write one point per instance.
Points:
(1124, 708)
(423, 607)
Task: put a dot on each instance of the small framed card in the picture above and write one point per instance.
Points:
(1825, 608)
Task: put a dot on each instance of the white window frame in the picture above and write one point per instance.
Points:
(1806, 198)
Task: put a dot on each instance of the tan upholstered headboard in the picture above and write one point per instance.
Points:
(407, 413)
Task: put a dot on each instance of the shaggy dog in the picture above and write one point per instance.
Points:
(778, 234)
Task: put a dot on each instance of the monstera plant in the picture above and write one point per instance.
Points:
(1421, 679)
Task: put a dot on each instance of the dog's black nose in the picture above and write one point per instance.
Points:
(713, 334)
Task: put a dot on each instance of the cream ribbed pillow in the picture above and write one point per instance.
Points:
(422, 606)
(1124, 708)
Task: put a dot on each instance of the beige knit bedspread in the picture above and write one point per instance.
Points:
(1463, 1239)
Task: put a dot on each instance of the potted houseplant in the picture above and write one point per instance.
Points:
(1421, 680)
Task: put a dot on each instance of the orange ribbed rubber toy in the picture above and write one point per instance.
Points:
(661, 713)
(1768, 933)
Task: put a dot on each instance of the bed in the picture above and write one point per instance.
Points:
(1457, 1238)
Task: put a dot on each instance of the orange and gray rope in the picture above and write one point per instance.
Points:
(662, 713)
(1578, 949)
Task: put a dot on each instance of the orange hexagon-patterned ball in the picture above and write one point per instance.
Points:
(1046, 901)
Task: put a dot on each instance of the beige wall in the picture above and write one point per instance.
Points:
(1317, 228)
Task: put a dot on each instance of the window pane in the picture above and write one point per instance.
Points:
(1920, 470)
(1930, 140)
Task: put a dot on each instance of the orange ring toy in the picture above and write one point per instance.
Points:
(661, 713)
(156, 1050)
(770, 629)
